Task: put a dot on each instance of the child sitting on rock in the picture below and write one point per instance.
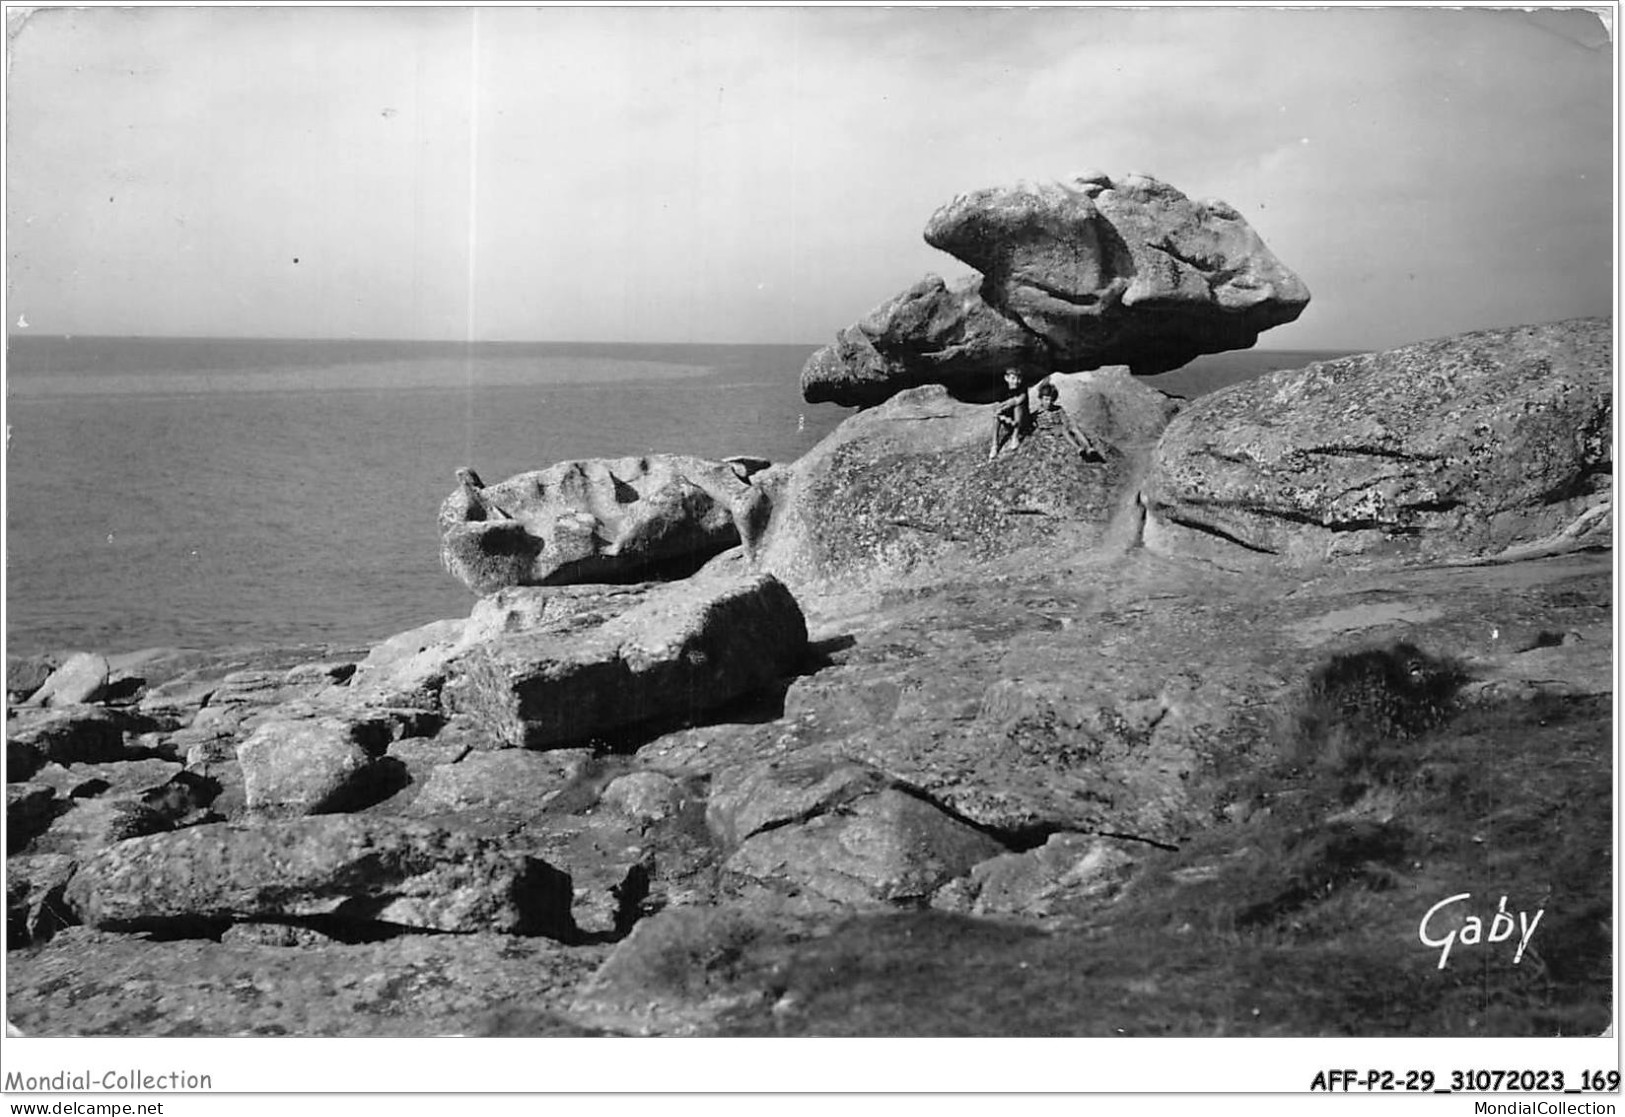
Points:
(1049, 405)
(1014, 419)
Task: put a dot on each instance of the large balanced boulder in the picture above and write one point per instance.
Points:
(933, 333)
(348, 869)
(906, 487)
(687, 647)
(600, 520)
(1494, 444)
(1074, 276)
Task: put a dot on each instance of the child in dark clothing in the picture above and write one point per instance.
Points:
(1014, 419)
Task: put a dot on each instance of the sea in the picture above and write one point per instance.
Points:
(202, 493)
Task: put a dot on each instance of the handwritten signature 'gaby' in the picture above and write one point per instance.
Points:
(1471, 930)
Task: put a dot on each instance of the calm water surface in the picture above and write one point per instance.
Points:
(201, 493)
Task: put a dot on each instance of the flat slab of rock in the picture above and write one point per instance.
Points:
(497, 785)
(888, 847)
(240, 679)
(415, 985)
(745, 801)
(1490, 445)
(515, 609)
(687, 647)
(354, 870)
(599, 520)
(132, 777)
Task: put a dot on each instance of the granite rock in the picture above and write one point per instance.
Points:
(1485, 446)
(349, 869)
(600, 520)
(1075, 275)
(686, 648)
(890, 847)
(81, 679)
(306, 767)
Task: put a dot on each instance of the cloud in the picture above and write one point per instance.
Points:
(765, 173)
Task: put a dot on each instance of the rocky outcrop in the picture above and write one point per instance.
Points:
(745, 802)
(1064, 872)
(130, 777)
(26, 674)
(602, 520)
(500, 786)
(645, 796)
(35, 907)
(1126, 271)
(312, 766)
(95, 805)
(349, 870)
(409, 668)
(1016, 740)
(904, 488)
(1489, 445)
(1074, 276)
(29, 809)
(82, 678)
(675, 970)
(887, 847)
(1051, 762)
(87, 825)
(430, 985)
(71, 734)
(686, 648)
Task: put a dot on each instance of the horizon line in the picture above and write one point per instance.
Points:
(15, 335)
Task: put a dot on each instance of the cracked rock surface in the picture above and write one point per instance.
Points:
(1494, 443)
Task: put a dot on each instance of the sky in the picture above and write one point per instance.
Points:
(764, 174)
